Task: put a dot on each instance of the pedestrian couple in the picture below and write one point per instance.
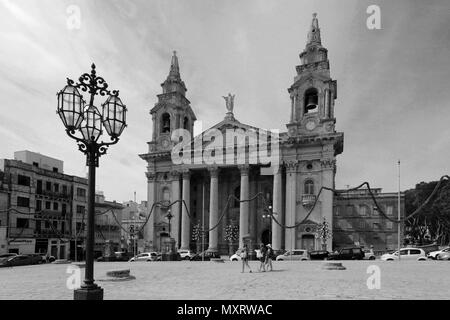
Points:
(265, 255)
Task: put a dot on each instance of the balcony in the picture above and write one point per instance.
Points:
(54, 195)
(49, 233)
(21, 232)
(308, 200)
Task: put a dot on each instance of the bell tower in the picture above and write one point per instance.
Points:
(313, 92)
(172, 111)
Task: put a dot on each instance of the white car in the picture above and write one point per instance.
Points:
(406, 254)
(236, 256)
(434, 254)
(146, 256)
(186, 254)
(369, 254)
(296, 254)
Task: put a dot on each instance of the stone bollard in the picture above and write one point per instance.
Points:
(333, 266)
(118, 275)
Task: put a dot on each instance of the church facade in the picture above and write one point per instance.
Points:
(264, 185)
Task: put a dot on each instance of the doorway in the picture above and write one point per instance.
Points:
(266, 237)
(308, 242)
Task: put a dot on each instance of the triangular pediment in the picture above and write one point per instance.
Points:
(228, 126)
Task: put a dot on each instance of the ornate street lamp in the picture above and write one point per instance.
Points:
(88, 122)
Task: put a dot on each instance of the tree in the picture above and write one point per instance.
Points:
(323, 233)
(231, 235)
(432, 223)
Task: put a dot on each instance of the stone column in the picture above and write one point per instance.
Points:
(185, 221)
(243, 207)
(326, 197)
(214, 209)
(277, 208)
(291, 196)
(292, 108)
(175, 209)
(149, 229)
(154, 127)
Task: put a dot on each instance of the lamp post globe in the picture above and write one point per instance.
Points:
(85, 124)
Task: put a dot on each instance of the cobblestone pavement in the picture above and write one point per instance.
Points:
(211, 280)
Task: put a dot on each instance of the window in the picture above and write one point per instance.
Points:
(80, 209)
(23, 180)
(56, 187)
(36, 164)
(48, 205)
(414, 251)
(23, 202)
(362, 224)
(165, 123)
(38, 205)
(78, 226)
(186, 123)
(81, 192)
(55, 169)
(48, 186)
(55, 206)
(63, 227)
(64, 190)
(309, 187)
(38, 225)
(47, 225)
(22, 223)
(389, 210)
(63, 208)
(336, 211)
(403, 252)
(39, 187)
(389, 225)
(363, 210)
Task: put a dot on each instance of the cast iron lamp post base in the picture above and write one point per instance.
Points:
(88, 293)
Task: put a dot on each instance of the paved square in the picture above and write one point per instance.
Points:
(211, 280)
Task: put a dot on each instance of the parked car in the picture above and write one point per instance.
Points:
(146, 256)
(18, 260)
(318, 255)
(369, 254)
(406, 254)
(118, 256)
(444, 256)
(434, 254)
(351, 253)
(8, 255)
(205, 255)
(236, 256)
(37, 258)
(186, 254)
(296, 254)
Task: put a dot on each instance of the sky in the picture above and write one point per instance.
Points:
(392, 98)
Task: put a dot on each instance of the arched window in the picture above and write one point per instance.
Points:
(165, 123)
(311, 100)
(309, 187)
(186, 123)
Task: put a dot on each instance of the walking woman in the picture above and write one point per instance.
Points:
(244, 256)
(269, 256)
(262, 258)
